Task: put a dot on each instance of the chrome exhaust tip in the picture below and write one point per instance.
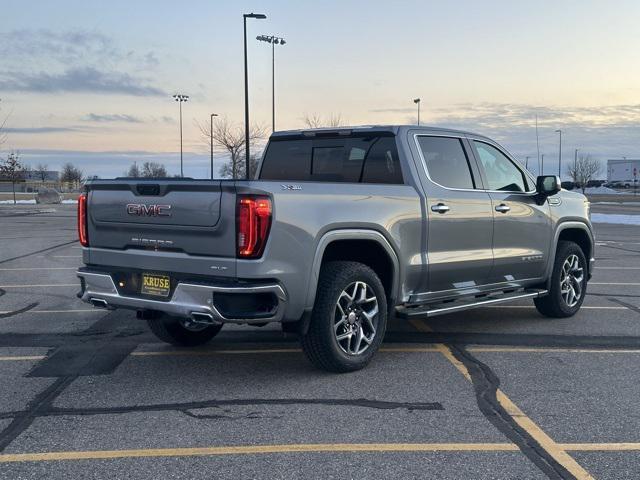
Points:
(204, 318)
(99, 303)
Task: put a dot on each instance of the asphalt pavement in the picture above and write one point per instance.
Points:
(494, 393)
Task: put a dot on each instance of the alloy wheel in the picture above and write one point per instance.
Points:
(571, 281)
(356, 318)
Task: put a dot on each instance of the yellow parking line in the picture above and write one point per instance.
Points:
(550, 350)
(36, 268)
(204, 353)
(546, 442)
(257, 449)
(22, 358)
(81, 310)
(42, 285)
(531, 307)
(600, 447)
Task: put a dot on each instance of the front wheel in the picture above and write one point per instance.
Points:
(349, 318)
(568, 283)
(182, 332)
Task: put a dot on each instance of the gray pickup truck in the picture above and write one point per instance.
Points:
(341, 229)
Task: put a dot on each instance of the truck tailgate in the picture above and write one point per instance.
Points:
(192, 217)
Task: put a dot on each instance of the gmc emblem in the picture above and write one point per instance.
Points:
(143, 210)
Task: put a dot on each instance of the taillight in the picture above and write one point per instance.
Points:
(83, 234)
(253, 220)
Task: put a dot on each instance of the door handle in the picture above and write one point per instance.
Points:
(440, 208)
(503, 208)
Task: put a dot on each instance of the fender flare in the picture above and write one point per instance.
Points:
(351, 234)
(554, 246)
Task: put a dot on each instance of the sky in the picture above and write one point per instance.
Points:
(92, 82)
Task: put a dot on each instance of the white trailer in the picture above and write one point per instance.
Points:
(623, 173)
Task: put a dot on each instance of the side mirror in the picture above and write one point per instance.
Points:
(547, 185)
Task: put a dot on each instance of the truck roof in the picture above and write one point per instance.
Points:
(394, 129)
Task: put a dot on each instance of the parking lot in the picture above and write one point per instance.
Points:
(498, 392)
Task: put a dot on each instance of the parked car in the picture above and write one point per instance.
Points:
(340, 229)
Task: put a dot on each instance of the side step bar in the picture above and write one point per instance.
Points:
(432, 310)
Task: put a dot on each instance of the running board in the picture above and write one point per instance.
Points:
(460, 305)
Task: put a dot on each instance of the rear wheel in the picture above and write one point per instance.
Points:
(182, 331)
(349, 318)
(568, 283)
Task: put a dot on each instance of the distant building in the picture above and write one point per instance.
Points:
(624, 172)
(31, 180)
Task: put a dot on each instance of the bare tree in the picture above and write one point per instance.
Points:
(134, 171)
(585, 169)
(316, 121)
(153, 169)
(71, 175)
(230, 136)
(41, 171)
(12, 170)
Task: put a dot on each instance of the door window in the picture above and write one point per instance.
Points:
(446, 161)
(501, 172)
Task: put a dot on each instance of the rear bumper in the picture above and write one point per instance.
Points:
(188, 300)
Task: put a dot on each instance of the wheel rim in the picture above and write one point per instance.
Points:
(192, 326)
(571, 281)
(356, 318)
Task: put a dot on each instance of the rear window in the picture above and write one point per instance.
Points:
(366, 159)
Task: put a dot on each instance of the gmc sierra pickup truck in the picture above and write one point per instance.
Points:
(340, 229)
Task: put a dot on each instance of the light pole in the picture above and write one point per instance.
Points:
(211, 133)
(526, 162)
(273, 41)
(542, 164)
(560, 154)
(575, 162)
(246, 89)
(417, 102)
(181, 98)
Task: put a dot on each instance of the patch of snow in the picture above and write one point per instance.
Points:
(615, 218)
(20, 202)
(600, 190)
(71, 200)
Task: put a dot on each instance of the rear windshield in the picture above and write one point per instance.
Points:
(366, 159)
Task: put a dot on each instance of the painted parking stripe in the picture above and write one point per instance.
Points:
(600, 447)
(532, 306)
(614, 283)
(204, 353)
(42, 285)
(80, 310)
(616, 268)
(551, 350)
(36, 268)
(528, 425)
(259, 449)
(22, 358)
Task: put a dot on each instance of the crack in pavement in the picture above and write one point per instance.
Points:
(38, 251)
(486, 383)
(41, 402)
(21, 310)
(51, 411)
(625, 304)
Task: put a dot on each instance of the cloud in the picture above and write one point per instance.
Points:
(36, 130)
(113, 117)
(79, 80)
(73, 61)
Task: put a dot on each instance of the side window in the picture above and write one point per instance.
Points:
(381, 164)
(446, 161)
(336, 163)
(501, 172)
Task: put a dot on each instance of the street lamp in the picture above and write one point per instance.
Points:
(273, 41)
(560, 154)
(181, 98)
(211, 133)
(417, 102)
(246, 88)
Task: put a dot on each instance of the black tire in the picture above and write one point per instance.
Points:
(170, 330)
(554, 304)
(320, 343)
